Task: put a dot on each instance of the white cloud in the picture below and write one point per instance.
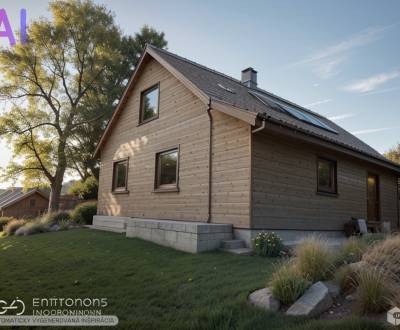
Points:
(382, 91)
(341, 117)
(329, 68)
(371, 83)
(318, 103)
(373, 130)
(325, 62)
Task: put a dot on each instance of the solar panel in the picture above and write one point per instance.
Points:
(292, 111)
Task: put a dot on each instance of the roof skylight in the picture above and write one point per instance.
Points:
(292, 111)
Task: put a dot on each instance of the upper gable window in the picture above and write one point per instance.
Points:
(149, 103)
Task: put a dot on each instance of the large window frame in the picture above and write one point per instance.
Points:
(142, 96)
(158, 187)
(116, 163)
(333, 190)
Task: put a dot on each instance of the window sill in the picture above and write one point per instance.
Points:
(147, 121)
(165, 190)
(327, 194)
(120, 192)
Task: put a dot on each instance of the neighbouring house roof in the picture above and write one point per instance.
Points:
(230, 95)
(14, 195)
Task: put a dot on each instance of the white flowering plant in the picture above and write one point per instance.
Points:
(268, 244)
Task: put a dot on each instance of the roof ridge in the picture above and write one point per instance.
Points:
(196, 64)
(235, 80)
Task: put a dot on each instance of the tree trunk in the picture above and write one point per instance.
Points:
(55, 194)
(56, 184)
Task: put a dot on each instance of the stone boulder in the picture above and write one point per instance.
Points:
(333, 289)
(264, 299)
(313, 302)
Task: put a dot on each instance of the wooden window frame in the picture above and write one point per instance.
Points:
(122, 190)
(141, 115)
(335, 181)
(157, 177)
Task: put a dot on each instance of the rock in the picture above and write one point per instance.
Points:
(350, 297)
(264, 299)
(334, 289)
(313, 302)
(55, 227)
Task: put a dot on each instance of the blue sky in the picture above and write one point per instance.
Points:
(339, 58)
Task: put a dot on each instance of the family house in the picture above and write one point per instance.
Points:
(192, 157)
(17, 203)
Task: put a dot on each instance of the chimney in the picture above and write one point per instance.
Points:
(249, 77)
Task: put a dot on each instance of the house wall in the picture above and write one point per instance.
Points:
(183, 121)
(285, 187)
(22, 209)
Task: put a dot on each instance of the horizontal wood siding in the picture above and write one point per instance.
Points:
(285, 184)
(231, 171)
(183, 121)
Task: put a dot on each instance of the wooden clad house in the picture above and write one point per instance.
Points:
(17, 203)
(187, 143)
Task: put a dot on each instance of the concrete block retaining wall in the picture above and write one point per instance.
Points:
(185, 236)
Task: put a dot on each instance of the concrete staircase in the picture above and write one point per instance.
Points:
(236, 246)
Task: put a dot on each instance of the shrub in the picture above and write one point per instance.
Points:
(371, 239)
(346, 278)
(83, 213)
(268, 244)
(87, 189)
(4, 221)
(385, 256)
(13, 225)
(30, 228)
(314, 260)
(374, 292)
(55, 218)
(287, 284)
(351, 251)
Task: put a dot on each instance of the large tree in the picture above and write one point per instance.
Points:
(394, 154)
(59, 91)
(101, 101)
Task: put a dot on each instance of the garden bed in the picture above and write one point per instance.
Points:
(360, 278)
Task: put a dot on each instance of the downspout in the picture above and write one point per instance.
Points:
(210, 150)
(263, 118)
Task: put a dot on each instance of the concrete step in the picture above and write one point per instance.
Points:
(114, 230)
(240, 251)
(232, 244)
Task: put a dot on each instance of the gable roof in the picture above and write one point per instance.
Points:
(229, 95)
(14, 195)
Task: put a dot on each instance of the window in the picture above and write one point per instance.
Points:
(32, 202)
(326, 176)
(149, 104)
(120, 176)
(167, 170)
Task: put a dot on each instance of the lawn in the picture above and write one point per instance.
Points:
(147, 286)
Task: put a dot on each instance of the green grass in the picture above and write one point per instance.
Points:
(147, 286)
